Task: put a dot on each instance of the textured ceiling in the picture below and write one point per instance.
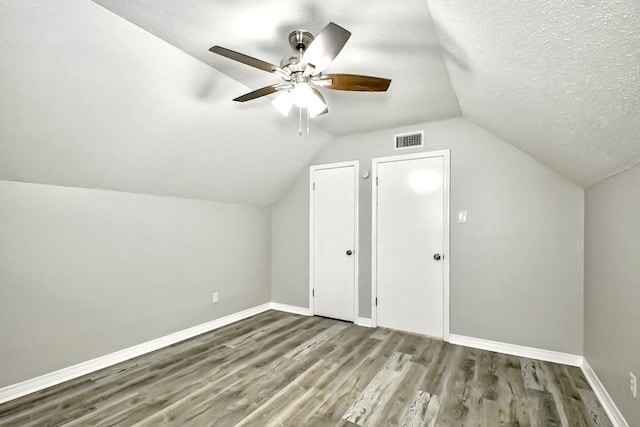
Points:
(390, 38)
(558, 79)
(88, 99)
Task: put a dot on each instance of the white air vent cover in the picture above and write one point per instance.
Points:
(409, 140)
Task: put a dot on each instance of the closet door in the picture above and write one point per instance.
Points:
(409, 217)
(333, 233)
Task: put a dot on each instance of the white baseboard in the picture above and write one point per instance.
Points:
(518, 350)
(598, 388)
(35, 384)
(363, 321)
(304, 311)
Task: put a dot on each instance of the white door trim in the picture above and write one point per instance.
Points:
(446, 155)
(356, 237)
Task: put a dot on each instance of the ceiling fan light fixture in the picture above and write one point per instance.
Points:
(302, 95)
(283, 102)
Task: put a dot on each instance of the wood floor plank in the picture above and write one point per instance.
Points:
(512, 397)
(490, 413)
(543, 409)
(422, 411)
(282, 369)
(365, 409)
(532, 374)
(442, 358)
(277, 406)
(342, 393)
(596, 412)
(258, 332)
(314, 342)
(571, 409)
(405, 395)
(347, 376)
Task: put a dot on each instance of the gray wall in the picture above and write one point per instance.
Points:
(516, 266)
(89, 272)
(289, 235)
(612, 286)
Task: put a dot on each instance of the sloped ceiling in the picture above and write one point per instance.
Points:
(88, 99)
(389, 39)
(558, 79)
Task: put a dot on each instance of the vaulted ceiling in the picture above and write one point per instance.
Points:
(389, 39)
(124, 95)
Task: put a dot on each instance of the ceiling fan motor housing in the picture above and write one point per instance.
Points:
(300, 40)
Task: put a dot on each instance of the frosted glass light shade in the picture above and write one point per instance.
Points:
(317, 106)
(302, 95)
(283, 102)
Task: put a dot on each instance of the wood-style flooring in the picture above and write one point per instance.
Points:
(280, 369)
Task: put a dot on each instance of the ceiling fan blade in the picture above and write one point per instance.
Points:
(258, 93)
(246, 59)
(325, 47)
(353, 82)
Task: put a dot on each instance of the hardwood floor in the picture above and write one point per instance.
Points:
(279, 369)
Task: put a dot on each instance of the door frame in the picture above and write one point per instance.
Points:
(356, 238)
(446, 155)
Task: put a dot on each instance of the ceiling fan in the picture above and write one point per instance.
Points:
(302, 73)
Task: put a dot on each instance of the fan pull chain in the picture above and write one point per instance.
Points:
(300, 121)
(308, 120)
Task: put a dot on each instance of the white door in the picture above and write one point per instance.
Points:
(333, 245)
(409, 228)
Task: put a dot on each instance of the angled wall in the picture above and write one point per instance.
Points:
(520, 256)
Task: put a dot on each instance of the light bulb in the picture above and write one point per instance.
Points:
(283, 102)
(302, 95)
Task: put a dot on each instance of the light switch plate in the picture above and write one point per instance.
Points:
(462, 217)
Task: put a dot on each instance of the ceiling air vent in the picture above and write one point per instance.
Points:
(409, 140)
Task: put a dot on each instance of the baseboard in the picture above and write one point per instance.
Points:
(518, 350)
(363, 321)
(35, 384)
(598, 388)
(304, 311)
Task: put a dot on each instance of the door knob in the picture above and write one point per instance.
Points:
(437, 257)
(349, 252)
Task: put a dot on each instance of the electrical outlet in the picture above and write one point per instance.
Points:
(633, 384)
(215, 297)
